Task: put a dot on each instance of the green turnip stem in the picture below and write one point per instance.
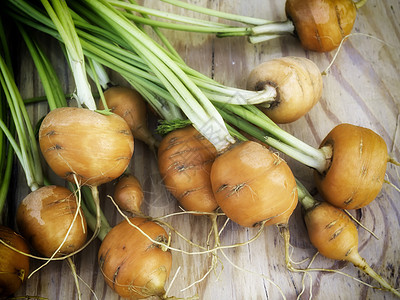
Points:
(360, 3)
(163, 38)
(283, 141)
(89, 210)
(285, 27)
(52, 87)
(360, 263)
(218, 30)
(98, 83)
(26, 148)
(62, 20)
(261, 30)
(212, 89)
(255, 39)
(305, 198)
(97, 70)
(191, 100)
(150, 91)
(296, 148)
(164, 15)
(315, 158)
(216, 13)
(6, 176)
(168, 110)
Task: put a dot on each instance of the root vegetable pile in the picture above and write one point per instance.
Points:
(208, 160)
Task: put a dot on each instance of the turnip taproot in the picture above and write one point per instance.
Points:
(128, 193)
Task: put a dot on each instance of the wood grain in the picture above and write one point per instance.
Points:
(361, 88)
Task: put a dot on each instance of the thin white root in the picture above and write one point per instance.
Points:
(254, 273)
(303, 278)
(65, 237)
(75, 275)
(392, 185)
(360, 3)
(325, 72)
(172, 281)
(394, 144)
(360, 224)
(180, 250)
(88, 286)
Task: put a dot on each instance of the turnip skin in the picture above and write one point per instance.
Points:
(185, 158)
(357, 167)
(14, 266)
(44, 217)
(85, 146)
(331, 231)
(132, 265)
(131, 106)
(298, 83)
(128, 193)
(258, 187)
(335, 236)
(321, 24)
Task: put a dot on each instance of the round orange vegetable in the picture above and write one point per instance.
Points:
(44, 218)
(81, 143)
(252, 185)
(335, 236)
(357, 166)
(132, 265)
(298, 84)
(128, 193)
(184, 160)
(14, 266)
(130, 105)
(321, 24)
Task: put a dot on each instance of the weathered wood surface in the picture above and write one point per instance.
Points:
(361, 88)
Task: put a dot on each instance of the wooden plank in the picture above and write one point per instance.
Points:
(362, 88)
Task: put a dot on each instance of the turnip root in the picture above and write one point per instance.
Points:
(131, 106)
(252, 185)
(132, 265)
(85, 146)
(46, 218)
(14, 266)
(185, 158)
(298, 84)
(356, 169)
(321, 24)
(128, 193)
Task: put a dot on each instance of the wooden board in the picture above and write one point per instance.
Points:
(362, 87)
